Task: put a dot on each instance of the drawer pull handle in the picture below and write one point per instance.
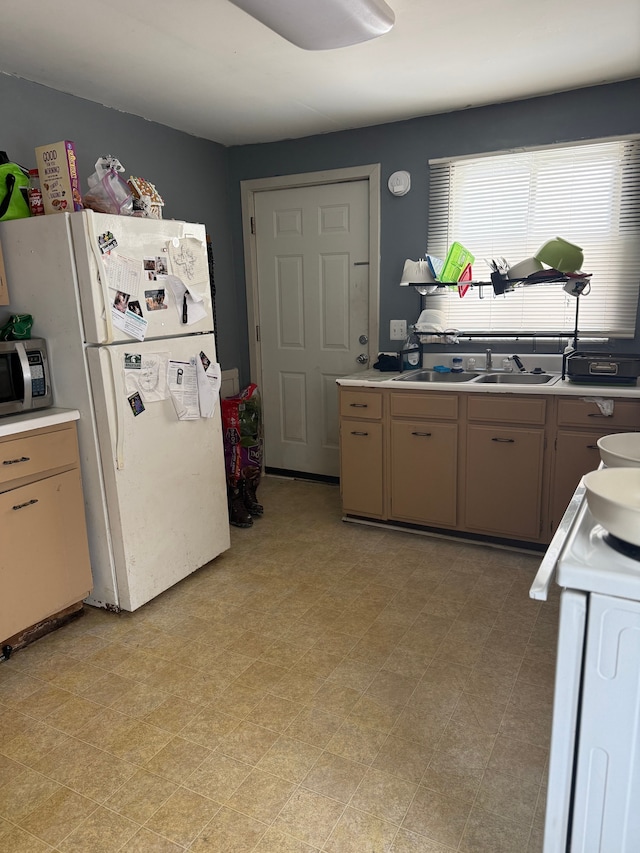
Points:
(359, 405)
(27, 503)
(15, 461)
(422, 434)
(505, 440)
(597, 415)
(353, 432)
(592, 446)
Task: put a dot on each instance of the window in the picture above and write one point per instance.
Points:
(508, 205)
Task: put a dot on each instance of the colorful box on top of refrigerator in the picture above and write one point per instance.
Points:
(58, 172)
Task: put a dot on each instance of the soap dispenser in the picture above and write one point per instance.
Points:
(410, 354)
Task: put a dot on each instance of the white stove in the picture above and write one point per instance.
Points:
(593, 799)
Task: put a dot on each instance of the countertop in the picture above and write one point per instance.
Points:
(36, 419)
(375, 379)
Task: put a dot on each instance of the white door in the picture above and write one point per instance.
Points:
(312, 246)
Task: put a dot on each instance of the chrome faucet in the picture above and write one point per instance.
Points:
(489, 361)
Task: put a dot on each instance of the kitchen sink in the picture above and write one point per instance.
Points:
(434, 376)
(517, 378)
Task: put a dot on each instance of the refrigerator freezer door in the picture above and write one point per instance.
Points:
(146, 242)
(167, 501)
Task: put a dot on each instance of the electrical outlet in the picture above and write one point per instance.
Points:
(397, 330)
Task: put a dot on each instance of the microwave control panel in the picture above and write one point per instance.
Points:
(38, 382)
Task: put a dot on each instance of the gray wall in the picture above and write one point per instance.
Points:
(189, 173)
(200, 180)
(582, 114)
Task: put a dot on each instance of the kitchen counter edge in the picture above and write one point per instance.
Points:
(36, 419)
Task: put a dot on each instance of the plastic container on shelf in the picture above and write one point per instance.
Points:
(458, 258)
(456, 364)
(34, 194)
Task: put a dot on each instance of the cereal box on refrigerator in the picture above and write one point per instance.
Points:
(57, 166)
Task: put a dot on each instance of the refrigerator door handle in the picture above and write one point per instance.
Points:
(26, 374)
(102, 272)
(115, 376)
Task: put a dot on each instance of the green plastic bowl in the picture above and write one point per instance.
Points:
(561, 255)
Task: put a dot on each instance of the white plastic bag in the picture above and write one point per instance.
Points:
(109, 193)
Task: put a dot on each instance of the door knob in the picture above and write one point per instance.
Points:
(363, 358)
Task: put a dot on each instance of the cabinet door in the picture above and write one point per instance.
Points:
(361, 467)
(504, 480)
(424, 471)
(44, 562)
(576, 454)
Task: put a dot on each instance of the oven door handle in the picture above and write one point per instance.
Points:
(26, 373)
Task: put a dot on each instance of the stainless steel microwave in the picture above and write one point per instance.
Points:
(25, 382)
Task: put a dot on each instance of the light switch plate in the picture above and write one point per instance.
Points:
(397, 330)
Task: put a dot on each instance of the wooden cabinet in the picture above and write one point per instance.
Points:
(504, 466)
(44, 560)
(503, 483)
(423, 458)
(580, 423)
(361, 454)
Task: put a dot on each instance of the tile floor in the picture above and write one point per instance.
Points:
(321, 687)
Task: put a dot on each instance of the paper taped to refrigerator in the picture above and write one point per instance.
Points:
(189, 303)
(189, 262)
(183, 388)
(147, 375)
(126, 319)
(209, 380)
(124, 274)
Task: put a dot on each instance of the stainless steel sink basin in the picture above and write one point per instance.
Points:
(434, 376)
(516, 378)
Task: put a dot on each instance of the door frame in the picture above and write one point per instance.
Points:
(248, 190)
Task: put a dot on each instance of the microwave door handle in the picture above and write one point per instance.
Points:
(26, 373)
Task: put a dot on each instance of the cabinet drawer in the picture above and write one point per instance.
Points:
(573, 411)
(36, 454)
(361, 404)
(497, 408)
(424, 404)
(44, 562)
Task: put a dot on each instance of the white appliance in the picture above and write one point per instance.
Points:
(594, 769)
(154, 485)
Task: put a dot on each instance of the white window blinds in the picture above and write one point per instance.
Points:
(508, 205)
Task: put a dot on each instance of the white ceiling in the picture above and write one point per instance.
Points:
(207, 68)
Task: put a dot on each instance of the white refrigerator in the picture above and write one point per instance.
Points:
(154, 484)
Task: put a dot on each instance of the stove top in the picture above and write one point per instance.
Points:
(627, 549)
(593, 560)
